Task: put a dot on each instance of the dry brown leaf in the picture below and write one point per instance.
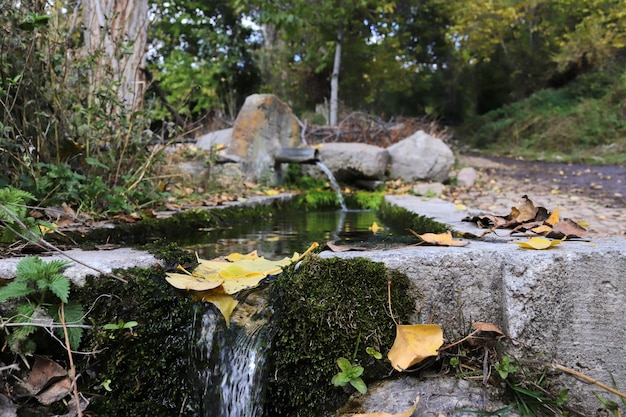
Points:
(440, 239)
(527, 210)
(486, 327)
(414, 343)
(407, 413)
(43, 371)
(343, 248)
(542, 229)
(567, 228)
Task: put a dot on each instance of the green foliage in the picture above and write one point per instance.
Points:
(15, 209)
(39, 288)
(566, 123)
(59, 132)
(322, 308)
(349, 374)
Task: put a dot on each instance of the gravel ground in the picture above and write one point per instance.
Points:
(590, 194)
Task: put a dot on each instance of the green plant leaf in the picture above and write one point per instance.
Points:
(344, 365)
(355, 372)
(340, 379)
(60, 286)
(359, 385)
(28, 269)
(15, 289)
(74, 314)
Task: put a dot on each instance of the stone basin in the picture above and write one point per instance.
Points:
(564, 305)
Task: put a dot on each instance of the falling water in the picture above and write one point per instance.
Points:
(235, 357)
(334, 184)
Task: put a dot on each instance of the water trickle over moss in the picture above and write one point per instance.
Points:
(322, 307)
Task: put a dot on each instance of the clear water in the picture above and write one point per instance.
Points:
(286, 233)
(334, 184)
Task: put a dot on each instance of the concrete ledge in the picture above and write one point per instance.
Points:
(566, 303)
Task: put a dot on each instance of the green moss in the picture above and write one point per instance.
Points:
(401, 218)
(149, 371)
(322, 308)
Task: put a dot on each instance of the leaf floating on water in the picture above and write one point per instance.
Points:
(441, 239)
(538, 243)
(414, 343)
(190, 282)
(374, 228)
(407, 413)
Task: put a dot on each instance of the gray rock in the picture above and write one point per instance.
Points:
(93, 262)
(211, 139)
(438, 395)
(565, 304)
(421, 157)
(353, 161)
(466, 177)
(431, 189)
(263, 126)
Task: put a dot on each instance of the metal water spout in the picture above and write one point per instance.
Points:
(296, 156)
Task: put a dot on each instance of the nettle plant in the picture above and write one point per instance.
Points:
(34, 300)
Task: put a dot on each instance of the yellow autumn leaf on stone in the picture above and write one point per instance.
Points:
(272, 192)
(407, 413)
(538, 243)
(414, 343)
(439, 239)
(234, 257)
(225, 303)
(190, 282)
(554, 217)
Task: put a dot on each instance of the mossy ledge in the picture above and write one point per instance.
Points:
(400, 217)
(323, 309)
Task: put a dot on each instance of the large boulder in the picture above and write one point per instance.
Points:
(263, 126)
(420, 157)
(354, 161)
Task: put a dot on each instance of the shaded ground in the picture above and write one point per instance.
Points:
(606, 183)
(594, 195)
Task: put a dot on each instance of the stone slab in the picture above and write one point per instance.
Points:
(102, 260)
(565, 304)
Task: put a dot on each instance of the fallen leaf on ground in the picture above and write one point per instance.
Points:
(343, 248)
(414, 343)
(440, 239)
(191, 282)
(407, 413)
(486, 327)
(538, 243)
(567, 228)
(527, 210)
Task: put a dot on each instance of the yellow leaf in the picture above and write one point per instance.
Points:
(234, 257)
(543, 229)
(225, 303)
(374, 228)
(407, 413)
(272, 192)
(460, 207)
(441, 239)
(554, 217)
(538, 243)
(413, 344)
(190, 282)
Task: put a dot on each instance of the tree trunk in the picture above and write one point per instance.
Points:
(116, 33)
(334, 78)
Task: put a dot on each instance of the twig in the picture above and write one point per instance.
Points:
(43, 243)
(71, 359)
(12, 366)
(586, 379)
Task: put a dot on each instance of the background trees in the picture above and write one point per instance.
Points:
(73, 98)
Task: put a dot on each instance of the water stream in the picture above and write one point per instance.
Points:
(334, 184)
(233, 378)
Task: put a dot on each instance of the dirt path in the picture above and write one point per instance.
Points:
(595, 195)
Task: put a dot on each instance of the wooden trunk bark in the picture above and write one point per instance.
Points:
(116, 33)
(334, 79)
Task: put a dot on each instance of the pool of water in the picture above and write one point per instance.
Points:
(289, 232)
